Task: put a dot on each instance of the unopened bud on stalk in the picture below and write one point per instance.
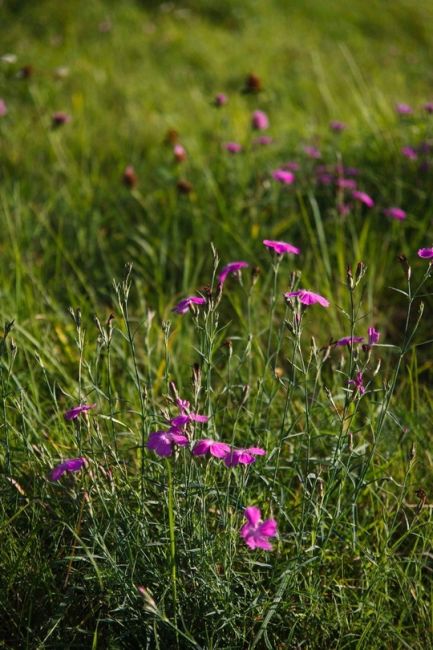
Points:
(349, 278)
(255, 272)
(360, 272)
(412, 453)
(405, 265)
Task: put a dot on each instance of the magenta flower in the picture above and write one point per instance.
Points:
(425, 253)
(346, 184)
(71, 465)
(214, 448)
(395, 213)
(291, 166)
(73, 413)
(3, 108)
(262, 140)
(255, 532)
(259, 121)
(185, 418)
(343, 209)
(349, 340)
(163, 442)
(233, 147)
(59, 118)
(325, 179)
(337, 126)
(428, 107)
(187, 303)
(357, 383)
(281, 247)
(221, 99)
(307, 297)
(179, 153)
(410, 153)
(364, 198)
(283, 176)
(373, 336)
(242, 456)
(232, 267)
(312, 152)
(403, 109)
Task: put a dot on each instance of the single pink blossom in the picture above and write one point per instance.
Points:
(325, 179)
(3, 108)
(349, 340)
(185, 305)
(163, 442)
(409, 153)
(373, 336)
(179, 153)
(403, 109)
(70, 465)
(395, 213)
(185, 418)
(281, 247)
(233, 147)
(346, 184)
(262, 140)
(357, 383)
(259, 121)
(220, 100)
(428, 107)
(242, 456)
(213, 447)
(312, 152)
(283, 176)
(364, 198)
(343, 209)
(232, 267)
(307, 297)
(255, 532)
(59, 118)
(337, 126)
(291, 166)
(350, 171)
(425, 253)
(73, 413)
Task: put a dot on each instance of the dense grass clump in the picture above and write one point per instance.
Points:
(215, 297)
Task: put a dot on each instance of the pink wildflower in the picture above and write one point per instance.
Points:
(259, 121)
(179, 153)
(291, 166)
(282, 176)
(349, 340)
(255, 532)
(59, 118)
(425, 253)
(325, 179)
(357, 383)
(163, 442)
(373, 336)
(307, 297)
(185, 305)
(242, 456)
(395, 213)
(428, 107)
(213, 447)
(185, 418)
(71, 465)
(262, 140)
(281, 247)
(409, 153)
(233, 147)
(364, 198)
(403, 109)
(233, 267)
(346, 184)
(73, 413)
(220, 100)
(312, 152)
(343, 209)
(337, 126)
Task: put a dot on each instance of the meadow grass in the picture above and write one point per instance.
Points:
(138, 550)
